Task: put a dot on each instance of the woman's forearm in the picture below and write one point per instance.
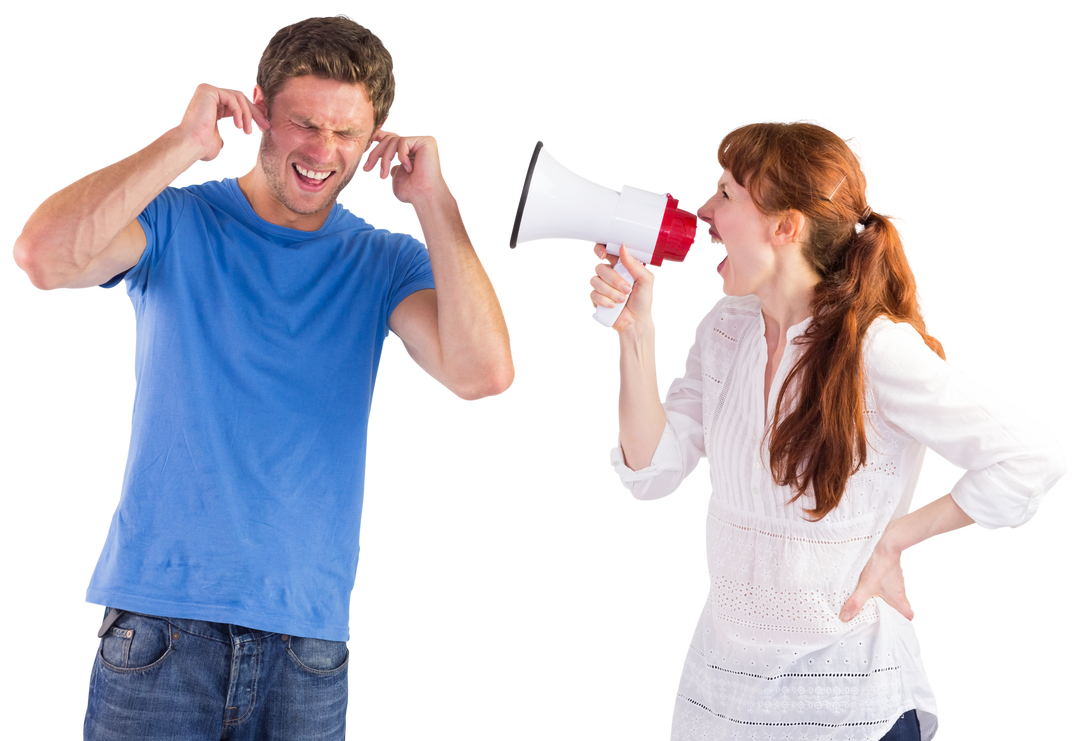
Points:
(939, 516)
(641, 415)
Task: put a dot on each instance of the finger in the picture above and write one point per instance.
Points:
(608, 294)
(258, 113)
(241, 117)
(370, 159)
(904, 607)
(386, 160)
(854, 604)
(635, 267)
(381, 136)
(238, 113)
(402, 155)
(245, 106)
(376, 153)
(407, 152)
(607, 271)
(609, 287)
(226, 106)
(229, 106)
(603, 254)
(261, 120)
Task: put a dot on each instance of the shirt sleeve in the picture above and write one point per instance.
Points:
(163, 213)
(683, 442)
(412, 273)
(1011, 461)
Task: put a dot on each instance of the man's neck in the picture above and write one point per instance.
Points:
(274, 213)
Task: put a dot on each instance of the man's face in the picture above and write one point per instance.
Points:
(318, 132)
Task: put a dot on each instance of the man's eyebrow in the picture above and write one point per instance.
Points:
(311, 124)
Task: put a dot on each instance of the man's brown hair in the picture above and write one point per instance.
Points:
(332, 48)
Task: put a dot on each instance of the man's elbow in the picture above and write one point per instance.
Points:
(491, 382)
(25, 259)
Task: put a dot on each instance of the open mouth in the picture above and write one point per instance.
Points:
(312, 179)
(719, 265)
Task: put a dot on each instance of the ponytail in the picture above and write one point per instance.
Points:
(817, 438)
(821, 441)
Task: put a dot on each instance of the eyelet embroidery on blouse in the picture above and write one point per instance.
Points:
(802, 611)
(771, 659)
(719, 350)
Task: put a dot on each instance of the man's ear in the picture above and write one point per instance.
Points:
(259, 101)
(376, 130)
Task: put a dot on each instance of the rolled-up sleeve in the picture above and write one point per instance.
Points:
(682, 444)
(1011, 461)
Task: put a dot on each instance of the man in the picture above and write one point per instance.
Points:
(261, 308)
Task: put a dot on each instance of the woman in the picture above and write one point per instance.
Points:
(813, 389)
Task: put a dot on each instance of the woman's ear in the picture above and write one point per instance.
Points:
(789, 228)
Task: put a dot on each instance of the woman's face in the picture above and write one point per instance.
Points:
(745, 232)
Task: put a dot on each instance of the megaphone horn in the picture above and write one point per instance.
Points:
(558, 204)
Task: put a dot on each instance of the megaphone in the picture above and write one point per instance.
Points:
(558, 204)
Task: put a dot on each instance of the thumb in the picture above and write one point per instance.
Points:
(635, 267)
(854, 604)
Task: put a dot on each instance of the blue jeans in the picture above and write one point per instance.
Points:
(906, 728)
(171, 679)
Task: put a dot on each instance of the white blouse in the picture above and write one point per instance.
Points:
(770, 653)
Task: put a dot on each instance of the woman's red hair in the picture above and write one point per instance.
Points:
(821, 439)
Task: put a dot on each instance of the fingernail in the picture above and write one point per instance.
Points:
(845, 616)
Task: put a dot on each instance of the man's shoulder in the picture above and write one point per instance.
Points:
(348, 225)
(214, 193)
(211, 190)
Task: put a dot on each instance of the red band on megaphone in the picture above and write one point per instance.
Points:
(678, 233)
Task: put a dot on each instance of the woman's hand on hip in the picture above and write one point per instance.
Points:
(881, 577)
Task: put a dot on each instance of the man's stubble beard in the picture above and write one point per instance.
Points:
(272, 166)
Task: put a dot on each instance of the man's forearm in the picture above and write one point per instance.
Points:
(473, 339)
(939, 516)
(75, 225)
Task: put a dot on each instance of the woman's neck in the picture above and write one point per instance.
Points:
(787, 299)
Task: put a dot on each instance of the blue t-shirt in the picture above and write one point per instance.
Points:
(256, 353)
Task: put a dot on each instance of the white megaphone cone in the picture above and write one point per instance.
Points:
(557, 204)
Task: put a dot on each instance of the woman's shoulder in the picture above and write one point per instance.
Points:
(739, 303)
(895, 348)
(732, 306)
(885, 330)
(730, 316)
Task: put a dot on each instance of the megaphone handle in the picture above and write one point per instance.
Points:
(607, 316)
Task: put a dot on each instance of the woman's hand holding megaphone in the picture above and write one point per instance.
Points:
(610, 288)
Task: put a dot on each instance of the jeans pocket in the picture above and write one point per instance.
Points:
(136, 643)
(317, 656)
